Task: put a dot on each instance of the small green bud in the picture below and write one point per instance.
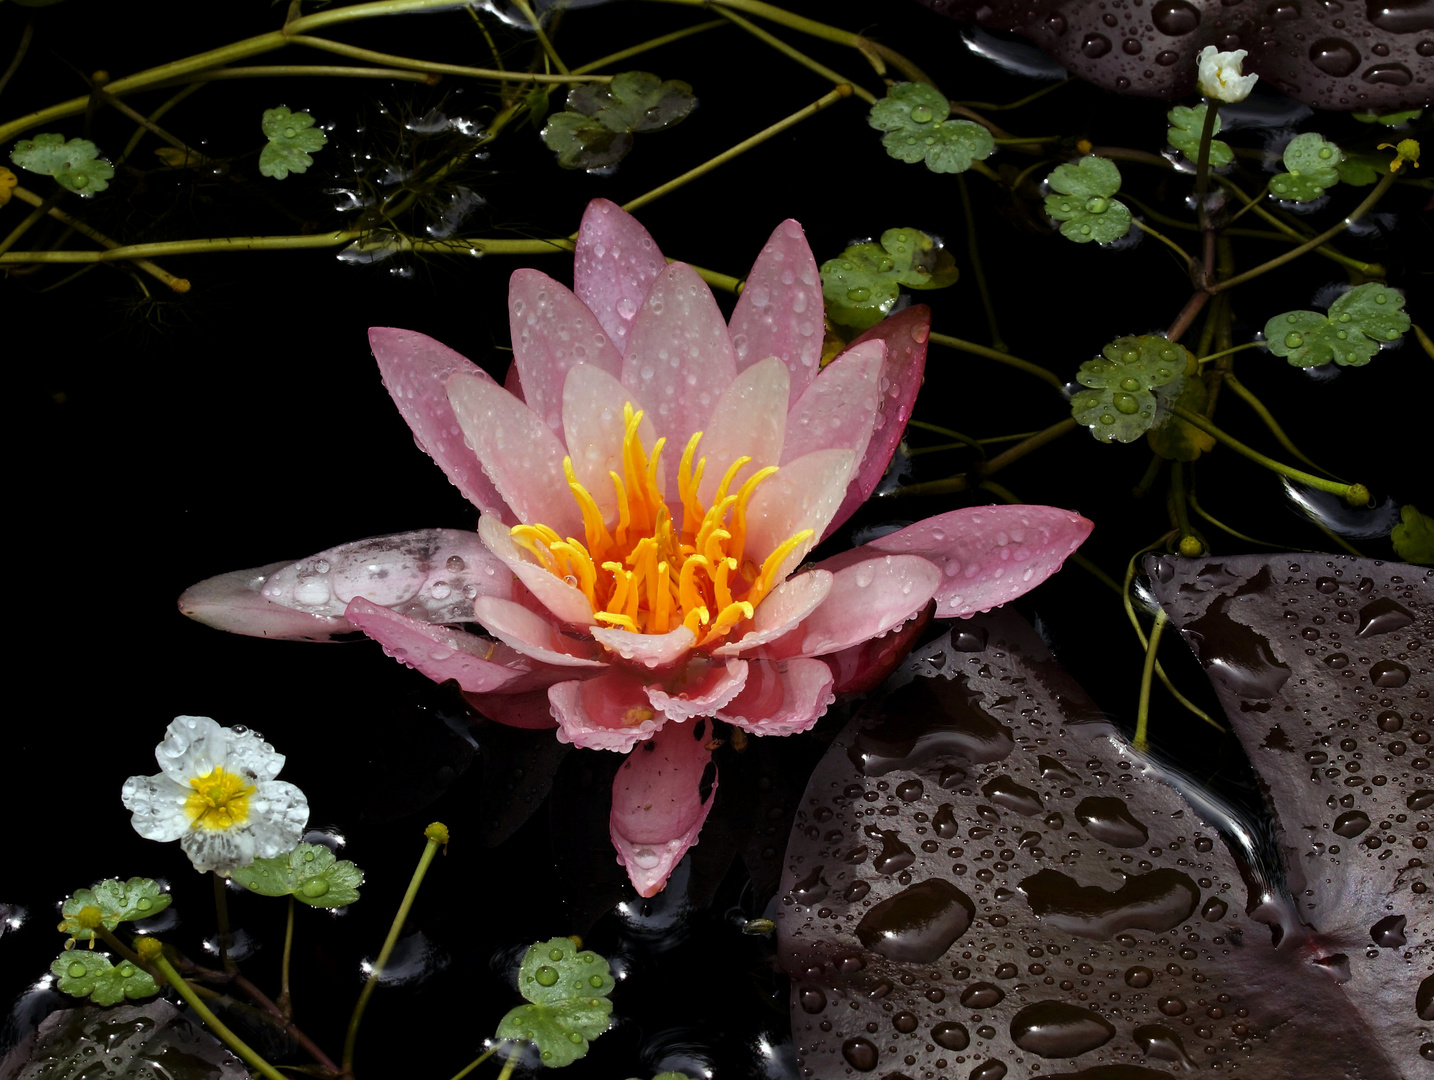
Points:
(1190, 546)
(149, 949)
(437, 832)
(1357, 495)
(90, 917)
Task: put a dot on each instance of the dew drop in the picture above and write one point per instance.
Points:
(812, 1000)
(1095, 45)
(1175, 17)
(1334, 56)
(1139, 977)
(950, 1035)
(546, 976)
(1388, 932)
(1351, 824)
(1055, 1029)
(982, 995)
(860, 1054)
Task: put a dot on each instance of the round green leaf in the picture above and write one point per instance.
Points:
(1186, 125)
(292, 137)
(860, 286)
(633, 101)
(117, 901)
(75, 164)
(913, 107)
(1082, 201)
(568, 988)
(1393, 119)
(83, 973)
(1174, 439)
(1089, 176)
(1358, 324)
(582, 142)
(1360, 169)
(1414, 536)
(310, 874)
(1313, 167)
(914, 116)
(1129, 383)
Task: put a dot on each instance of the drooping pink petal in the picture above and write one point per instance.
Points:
(703, 688)
(566, 602)
(593, 430)
(782, 697)
(532, 635)
(519, 453)
(478, 664)
(552, 332)
(658, 806)
(839, 407)
(865, 666)
(529, 709)
(614, 265)
(415, 369)
(785, 606)
(649, 650)
(750, 420)
(803, 495)
(234, 602)
(780, 310)
(867, 599)
(905, 335)
(609, 711)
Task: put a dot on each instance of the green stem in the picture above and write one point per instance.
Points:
(1142, 711)
(796, 54)
(986, 106)
(286, 1000)
(973, 252)
(154, 116)
(1177, 499)
(978, 473)
(1202, 163)
(1264, 414)
(1195, 505)
(511, 1062)
(543, 41)
(1289, 232)
(1171, 244)
(1250, 204)
(1004, 358)
(109, 937)
(484, 1056)
(1227, 352)
(355, 53)
(647, 46)
(195, 1002)
(475, 246)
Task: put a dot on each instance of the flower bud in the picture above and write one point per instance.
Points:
(1221, 77)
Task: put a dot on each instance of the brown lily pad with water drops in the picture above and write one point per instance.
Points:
(1375, 55)
(984, 881)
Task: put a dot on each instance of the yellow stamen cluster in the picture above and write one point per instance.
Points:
(648, 576)
(219, 801)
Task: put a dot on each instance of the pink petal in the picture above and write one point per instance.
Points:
(803, 495)
(784, 607)
(840, 406)
(610, 711)
(750, 420)
(442, 652)
(649, 650)
(864, 667)
(702, 689)
(593, 430)
(532, 635)
(234, 602)
(780, 310)
(867, 599)
(526, 710)
(566, 602)
(552, 332)
(519, 453)
(657, 804)
(614, 265)
(784, 697)
(415, 369)
(905, 335)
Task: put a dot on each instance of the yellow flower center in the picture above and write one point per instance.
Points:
(219, 801)
(648, 576)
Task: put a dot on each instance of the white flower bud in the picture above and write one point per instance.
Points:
(1220, 75)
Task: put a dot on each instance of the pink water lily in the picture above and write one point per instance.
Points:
(650, 480)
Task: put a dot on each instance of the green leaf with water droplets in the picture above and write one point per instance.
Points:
(1131, 386)
(861, 285)
(83, 973)
(1359, 169)
(595, 130)
(1414, 536)
(311, 874)
(1393, 119)
(75, 164)
(117, 901)
(1082, 201)
(1360, 322)
(1313, 167)
(915, 119)
(1186, 125)
(292, 138)
(583, 143)
(569, 989)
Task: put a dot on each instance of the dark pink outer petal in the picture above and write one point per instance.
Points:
(781, 697)
(657, 804)
(526, 710)
(905, 335)
(414, 369)
(780, 310)
(703, 689)
(615, 263)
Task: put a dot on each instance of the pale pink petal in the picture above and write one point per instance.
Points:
(803, 495)
(513, 382)
(750, 420)
(234, 602)
(839, 408)
(657, 804)
(526, 710)
(614, 265)
(905, 335)
(532, 635)
(867, 599)
(415, 369)
(782, 697)
(442, 652)
(782, 609)
(520, 454)
(678, 359)
(593, 430)
(650, 650)
(567, 602)
(608, 712)
(780, 310)
(702, 689)
(865, 666)
(553, 331)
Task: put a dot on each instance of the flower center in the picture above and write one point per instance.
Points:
(219, 801)
(647, 575)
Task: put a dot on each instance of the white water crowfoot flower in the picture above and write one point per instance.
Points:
(216, 794)
(1220, 75)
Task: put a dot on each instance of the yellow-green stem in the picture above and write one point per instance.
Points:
(1171, 244)
(646, 46)
(195, 1002)
(484, 1056)
(979, 473)
(1264, 414)
(1142, 711)
(355, 53)
(537, 27)
(1005, 358)
(800, 57)
(1230, 351)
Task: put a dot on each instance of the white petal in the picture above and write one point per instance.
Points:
(157, 804)
(278, 812)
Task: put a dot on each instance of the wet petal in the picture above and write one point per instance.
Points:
(278, 812)
(784, 607)
(658, 806)
(703, 689)
(840, 407)
(614, 265)
(532, 635)
(750, 420)
(608, 712)
(784, 697)
(234, 602)
(478, 664)
(157, 806)
(552, 332)
(865, 666)
(867, 599)
(415, 369)
(593, 430)
(780, 310)
(649, 650)
(566, 602)
(803, 495)
(526, 710)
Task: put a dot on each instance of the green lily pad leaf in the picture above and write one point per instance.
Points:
(75, 164)
(1082, 201)
(1358, 324)
(1359, 169)
(1172, 437)
(1186, 126)
(1130, 386)
(90, 974)
(1414, 536)
(310, 874)
(583, 143)
(861, 285)
(1313, 167)
(117, 902)
(1393, 119)
(568, 988)
(292, 138)
(633, 101)
(915, 119)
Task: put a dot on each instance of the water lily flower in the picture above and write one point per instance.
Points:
(650, 479)
(1220, 75)
(216, 794)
